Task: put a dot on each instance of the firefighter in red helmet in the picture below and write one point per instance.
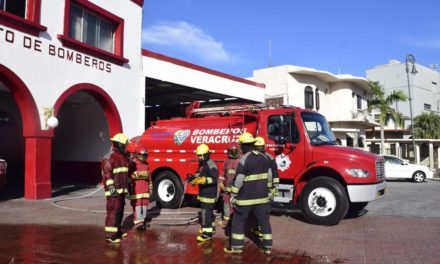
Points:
(114, 168)
(226, 179)
(141, 184)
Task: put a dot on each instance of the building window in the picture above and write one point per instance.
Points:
(16, 7)
(359, 102)
(317, 98)
(22, 15)
(308, 97)
(350, 141)
(91, 29)
(274, 102)
(427, 107)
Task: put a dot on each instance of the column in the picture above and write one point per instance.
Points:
(417, 155)
(431, 155)
(398, 150)
(37, 168)
(438, 157)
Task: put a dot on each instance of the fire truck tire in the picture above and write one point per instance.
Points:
(324, 201)
(168, 189)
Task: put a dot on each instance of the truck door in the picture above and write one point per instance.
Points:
(285, 144)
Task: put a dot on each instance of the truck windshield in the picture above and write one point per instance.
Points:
(318, 129)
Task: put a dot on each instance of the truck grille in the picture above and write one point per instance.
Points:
(380, 170)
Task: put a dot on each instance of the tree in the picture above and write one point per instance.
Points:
(383, 102)
(427, 125)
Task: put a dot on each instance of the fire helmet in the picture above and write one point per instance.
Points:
(246, 138)
(141, 153)
(233, 151)
(119, 142)
(202, 151)
(120, 137)
(259, 144)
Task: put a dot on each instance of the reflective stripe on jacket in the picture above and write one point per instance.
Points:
(251, 179)
(208, 191)
(115, 171)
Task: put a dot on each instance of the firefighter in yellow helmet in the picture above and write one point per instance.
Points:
(273, 181)
(260, 145)
(206, 178)
(115, 177)
(250, 195)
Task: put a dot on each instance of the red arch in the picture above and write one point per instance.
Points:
(25, 101)
(106, 102)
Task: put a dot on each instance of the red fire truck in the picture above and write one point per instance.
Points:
(323, 179)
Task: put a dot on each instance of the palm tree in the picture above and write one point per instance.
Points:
(427, 125)
(383, 102)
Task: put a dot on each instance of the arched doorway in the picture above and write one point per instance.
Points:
(31, 159)
(11, 143)
(87, 117)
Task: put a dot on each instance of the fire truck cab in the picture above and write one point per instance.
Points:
(323, 179)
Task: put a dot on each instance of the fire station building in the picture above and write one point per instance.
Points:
(73, 73)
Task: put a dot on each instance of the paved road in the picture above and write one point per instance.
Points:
(408, 199)
(402, 227)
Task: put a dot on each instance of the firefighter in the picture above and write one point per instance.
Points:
(260, 145)
(249, 194)
(114, 168)
(206, 177)
(225, 180)
(141, 185)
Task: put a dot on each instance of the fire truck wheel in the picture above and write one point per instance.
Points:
(324, 201)
(168, 189)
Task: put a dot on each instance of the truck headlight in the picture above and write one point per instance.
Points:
(358, 173)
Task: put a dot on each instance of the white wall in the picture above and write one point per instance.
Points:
(47, 76)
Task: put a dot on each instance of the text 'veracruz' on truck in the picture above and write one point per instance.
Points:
(324, 179)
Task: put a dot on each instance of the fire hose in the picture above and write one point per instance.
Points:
(163, 221)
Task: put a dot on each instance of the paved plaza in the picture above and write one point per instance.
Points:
(403, 227)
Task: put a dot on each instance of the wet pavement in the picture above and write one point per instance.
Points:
(84, 244)
(69, 229)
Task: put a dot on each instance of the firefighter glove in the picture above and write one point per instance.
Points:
(273, 193)
(199, 180)
(222, 186)
(189, 177)
(113, 191)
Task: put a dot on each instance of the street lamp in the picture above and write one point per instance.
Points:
(411, 59)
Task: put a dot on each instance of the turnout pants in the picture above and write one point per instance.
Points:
(115, 213)
(140, 209)
(207, 218)
(227, 208)
(241, 213)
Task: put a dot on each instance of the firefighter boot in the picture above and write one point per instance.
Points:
(122, 235)
(204, 237)
(114, 239)
(232, 250)
(257, 231)
(266, 250)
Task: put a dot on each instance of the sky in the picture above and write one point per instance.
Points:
(340, 36)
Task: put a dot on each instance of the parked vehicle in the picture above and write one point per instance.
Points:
(324, 179)
(3, 174)
(398, 168)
